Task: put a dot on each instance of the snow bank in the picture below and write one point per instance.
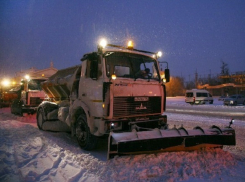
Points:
(28, 154)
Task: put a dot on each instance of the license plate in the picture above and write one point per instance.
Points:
(141, 99)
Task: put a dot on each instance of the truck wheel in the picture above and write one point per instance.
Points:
(85, 139)
(40, 118)
(21, 112)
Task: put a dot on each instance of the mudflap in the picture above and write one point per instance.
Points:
(169, 140)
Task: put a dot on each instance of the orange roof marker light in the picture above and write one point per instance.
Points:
(130, 44)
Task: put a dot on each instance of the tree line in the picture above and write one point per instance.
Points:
(177, 85)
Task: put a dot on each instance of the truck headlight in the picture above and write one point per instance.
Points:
(114, 77)
(159, 54)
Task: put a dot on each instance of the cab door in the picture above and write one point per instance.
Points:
(91, 83)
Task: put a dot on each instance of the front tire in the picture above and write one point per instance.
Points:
(21, 112)
(85, 139)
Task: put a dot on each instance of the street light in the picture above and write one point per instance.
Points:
(5, 82)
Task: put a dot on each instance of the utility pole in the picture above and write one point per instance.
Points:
(209, 77)
(196, 78)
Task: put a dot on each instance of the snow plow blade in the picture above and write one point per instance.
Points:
(170, 140)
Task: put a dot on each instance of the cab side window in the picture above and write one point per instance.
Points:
(94, 68)
(88, 69)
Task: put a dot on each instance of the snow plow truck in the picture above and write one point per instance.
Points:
(30, 95)
(120, 92)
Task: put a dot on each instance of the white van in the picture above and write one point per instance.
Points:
(198, 96)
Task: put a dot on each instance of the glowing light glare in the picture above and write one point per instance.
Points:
(159, 54)
(113, 77)
(130, 44)
(5, 83)
(103, 43)
(162, 74)
(27, 77)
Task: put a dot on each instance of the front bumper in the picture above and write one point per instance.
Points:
(29, 109)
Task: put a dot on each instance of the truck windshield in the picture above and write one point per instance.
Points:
(35, 84)
(130, 65)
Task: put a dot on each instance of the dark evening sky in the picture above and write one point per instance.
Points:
(194, 35)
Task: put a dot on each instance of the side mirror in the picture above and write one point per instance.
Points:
(94, 69)
(92, 56)
(167, 75)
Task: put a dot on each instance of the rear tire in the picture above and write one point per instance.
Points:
(40, 118)
(85, 139)
(21, 112)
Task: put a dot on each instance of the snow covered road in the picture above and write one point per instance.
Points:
(178, 105)
(28, 154)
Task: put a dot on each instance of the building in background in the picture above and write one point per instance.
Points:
(229, 84)
(34, 73)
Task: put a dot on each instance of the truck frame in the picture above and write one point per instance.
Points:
(119, 91)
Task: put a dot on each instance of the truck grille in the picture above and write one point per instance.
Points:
(35, 101)
(127, 106)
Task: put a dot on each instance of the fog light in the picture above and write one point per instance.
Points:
(113, 77)
(112, 126)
